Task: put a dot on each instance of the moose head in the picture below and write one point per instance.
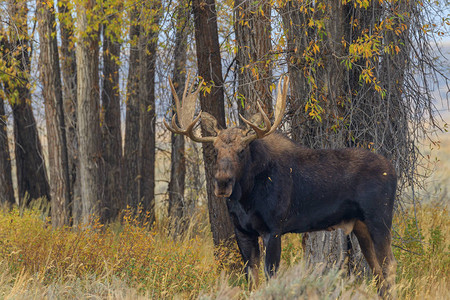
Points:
(231, 144)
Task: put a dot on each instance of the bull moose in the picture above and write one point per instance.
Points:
(274, 186)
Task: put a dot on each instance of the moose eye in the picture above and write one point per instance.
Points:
(241, 153)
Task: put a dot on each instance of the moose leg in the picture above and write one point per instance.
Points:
(272, 244)
(385, 257)
(249, 248)
(375, 245)
(368, 249)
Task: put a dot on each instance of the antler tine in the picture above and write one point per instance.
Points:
(266, 119)
(260, 132)
(280, 106)
(195, 138)
(185, 113)
(175, 96)
(174, 128)
(279, 112)
(186, 86)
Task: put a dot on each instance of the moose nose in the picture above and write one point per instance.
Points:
(223, 188)
(223, 183)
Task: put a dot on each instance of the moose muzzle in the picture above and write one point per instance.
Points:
(223, 187)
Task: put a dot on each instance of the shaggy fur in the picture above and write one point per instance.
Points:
(274, 186)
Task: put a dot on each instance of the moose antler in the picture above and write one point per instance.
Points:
(185, 112)
(279, 112)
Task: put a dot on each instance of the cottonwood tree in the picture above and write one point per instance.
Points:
(177, 202)
(69, 79)
(110, 102)
(6, 185)
(30, 166)
(351, 66)
(88, 111)
(50, 76)
(252, 23)
(139, 152)
(131, 147)
(147, 117)
(210, 70)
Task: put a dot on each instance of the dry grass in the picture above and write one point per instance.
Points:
(126, 257)
(423, 253)
(128, 261)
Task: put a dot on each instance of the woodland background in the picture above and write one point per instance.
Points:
(95, 187)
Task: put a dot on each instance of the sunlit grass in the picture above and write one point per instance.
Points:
(147, 260)
(423, 253)
(126, 260)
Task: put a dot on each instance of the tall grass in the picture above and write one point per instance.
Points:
(423, 253)
(128, 261)
(146, 260)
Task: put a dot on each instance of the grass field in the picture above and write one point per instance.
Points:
(128, 261)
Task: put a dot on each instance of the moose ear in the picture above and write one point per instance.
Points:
(210, 123)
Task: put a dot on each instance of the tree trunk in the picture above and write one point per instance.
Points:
(330, 247)
(346, 101)
(131, 147)
(253, 57)
(31, 175)
(210, 69)
(111, 131)
(195, 183)
(394, 68)
(177, 204)
(294, 25)
(6, 185)
(54, 111)
(69, 76)
(140, 116)
(147, 57)
(88, 113)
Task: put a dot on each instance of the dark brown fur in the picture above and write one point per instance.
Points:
(274, 186)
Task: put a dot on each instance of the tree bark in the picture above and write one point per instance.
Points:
(253, 57)
(54, 110)
(69, 79)
(31, 173)
(339, 89)
(111, 131)
(140, 116)
(147, 57)
(210, 69)
(6, 185)
(177, 204)
(88, 112)
(296, 32)
(331, 248)
(131, 147)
